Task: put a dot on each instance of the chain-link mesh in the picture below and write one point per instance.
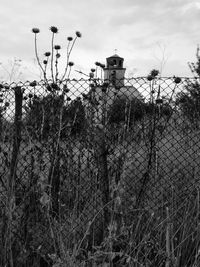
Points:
(81, 154)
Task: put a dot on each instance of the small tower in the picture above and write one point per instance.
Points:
(114, 71)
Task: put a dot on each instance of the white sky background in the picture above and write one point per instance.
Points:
(142, 31)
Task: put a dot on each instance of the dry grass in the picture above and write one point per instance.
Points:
(173, 179)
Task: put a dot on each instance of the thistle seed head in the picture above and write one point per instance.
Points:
(47, 54)
(35, 30)
(78, 34)
(57, 47)
(54, 29)
(71, 64)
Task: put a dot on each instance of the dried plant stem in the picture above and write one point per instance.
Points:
(168, 254)
(69, 73)
(101, 156)
(56, 65)
(69, 50)
(38, 60)
(42, 124)
(52, 54)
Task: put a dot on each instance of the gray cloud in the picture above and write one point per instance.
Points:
(134, 27)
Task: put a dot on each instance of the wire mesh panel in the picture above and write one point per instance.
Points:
(82, 160)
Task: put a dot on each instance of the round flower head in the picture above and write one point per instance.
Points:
(34, 83)
(57, 47)
(35, 30)
(102, 65)
(47, 54)
(66, 90)
(69, 38)
(78, 34)
(154, 73)
(54, 29)
(71, 64)
(177, 79)
(57, 55)
(54, 86)
(93, 70)
(45, 62)
(149, 78)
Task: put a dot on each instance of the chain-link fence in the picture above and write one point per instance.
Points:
(85, 162)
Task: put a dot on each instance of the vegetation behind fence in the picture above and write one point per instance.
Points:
(92, 172)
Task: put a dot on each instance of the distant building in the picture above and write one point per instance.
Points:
(114, 77)
(114, 73)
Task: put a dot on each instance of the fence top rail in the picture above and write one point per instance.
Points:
(40, 82)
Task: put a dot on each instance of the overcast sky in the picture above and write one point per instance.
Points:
(144, 32)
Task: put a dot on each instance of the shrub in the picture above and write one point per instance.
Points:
(42, 119)
(123, 110)
(130, 111)
(189, 99)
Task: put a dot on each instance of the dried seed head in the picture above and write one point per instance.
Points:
(54, 29)
(69, 38)
(78, 34)
(154, 73)
(57, 55)
(149, 78)
(35, 30)
(47, 54)
(177, 79)
(66, 90)
(45, 62)
(102, 65)
(71, 64)
(34, 83)
(55, 86)
(57, 47)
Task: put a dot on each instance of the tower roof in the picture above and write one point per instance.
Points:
(115, 55)
(114, 62)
